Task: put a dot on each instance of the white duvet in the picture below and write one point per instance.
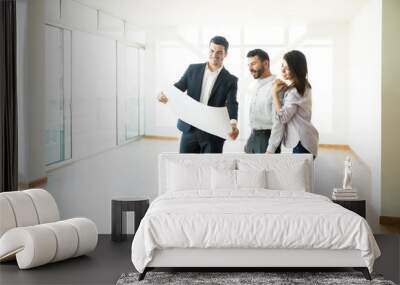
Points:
(250, 219)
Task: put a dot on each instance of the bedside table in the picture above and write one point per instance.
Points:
(119, 207)
(357, 206)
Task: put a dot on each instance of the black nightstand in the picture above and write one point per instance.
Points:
(119, 207)
(357, 206)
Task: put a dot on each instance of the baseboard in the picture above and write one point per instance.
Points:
(386, 220)
(38, 183)
(23, 185)
(161, 138)
(342, 147)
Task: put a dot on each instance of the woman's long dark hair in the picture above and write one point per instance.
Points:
(297, 64)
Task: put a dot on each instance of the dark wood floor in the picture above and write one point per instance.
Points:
(103, 266)
(111, 259)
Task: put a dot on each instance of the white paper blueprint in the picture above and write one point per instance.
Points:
(213, 120)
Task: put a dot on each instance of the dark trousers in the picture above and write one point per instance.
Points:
(299, 148)
(197, 141)
(258, 142)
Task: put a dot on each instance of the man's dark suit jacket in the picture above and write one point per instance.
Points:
(223, 92)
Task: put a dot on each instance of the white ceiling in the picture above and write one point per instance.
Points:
(156, 13)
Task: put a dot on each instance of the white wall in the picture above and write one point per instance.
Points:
(75, 17)
(85, 188)
(30, 89)
(390, 108)
(365, 101)
(96, 123)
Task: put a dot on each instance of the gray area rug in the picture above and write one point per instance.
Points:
(229, 278)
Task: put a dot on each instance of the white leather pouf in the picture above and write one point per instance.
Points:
(31, 232)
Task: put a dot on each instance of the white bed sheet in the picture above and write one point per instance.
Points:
(251, 218)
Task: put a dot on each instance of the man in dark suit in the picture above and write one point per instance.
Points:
(211, 84)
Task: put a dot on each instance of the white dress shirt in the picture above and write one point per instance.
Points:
(261, 105)
(262, 112)
(209, 79)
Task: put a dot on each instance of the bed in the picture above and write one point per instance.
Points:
(242, 211)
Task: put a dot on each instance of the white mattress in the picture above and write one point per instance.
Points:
(252, 218)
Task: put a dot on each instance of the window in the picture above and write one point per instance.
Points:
(58, 94)
(190, 45)
(132, 93)
(107, 108)
(129, 60)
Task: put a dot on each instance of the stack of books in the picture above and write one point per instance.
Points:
(344, 194)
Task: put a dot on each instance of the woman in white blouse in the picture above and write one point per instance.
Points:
(295, 111)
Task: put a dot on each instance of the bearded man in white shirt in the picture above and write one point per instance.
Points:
(266, 132)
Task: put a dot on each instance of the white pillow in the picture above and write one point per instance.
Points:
(227, 179)
(187, 177)
(187, 174)
(294, 179)
(223, 179)
(282, 173)
(251, 178)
